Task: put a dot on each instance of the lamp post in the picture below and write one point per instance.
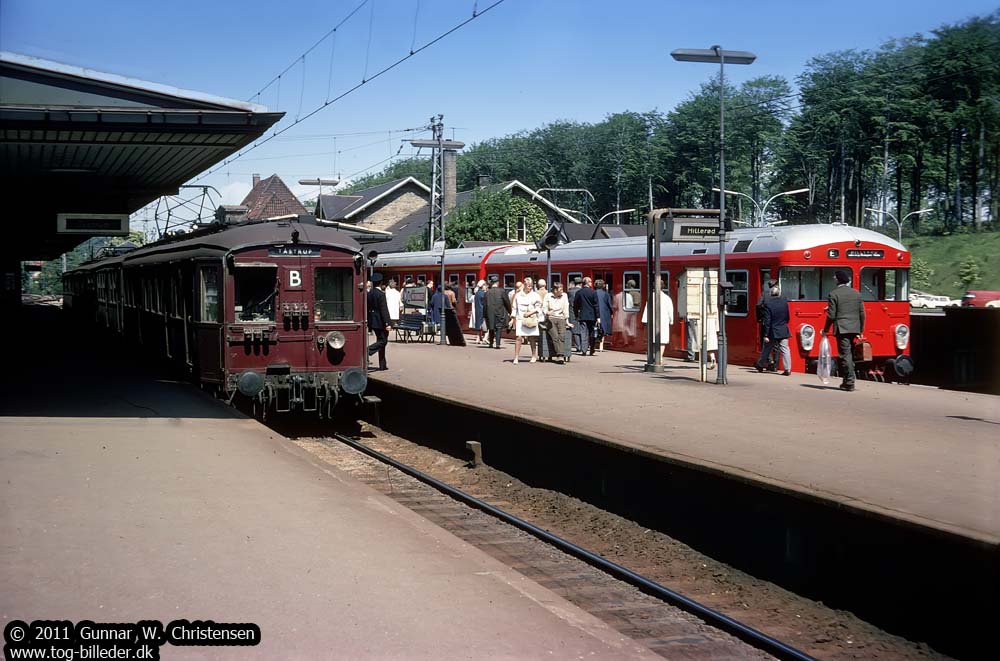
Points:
(899, 224)
(711, 56)
(761, 210)
(319, 182)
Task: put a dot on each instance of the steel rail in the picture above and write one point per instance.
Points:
(746, 633)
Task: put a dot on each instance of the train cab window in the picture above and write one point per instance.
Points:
(209, 294)
(807, 283)
(255, 289)
(632, 294)
(334, 294)
(509, 280)
(879, 284)
(739, 295)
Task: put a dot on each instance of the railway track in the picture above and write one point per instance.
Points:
(667, 622)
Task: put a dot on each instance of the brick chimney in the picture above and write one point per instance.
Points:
(256, 179)
(449, 179)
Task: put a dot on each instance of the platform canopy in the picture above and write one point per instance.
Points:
(78, 147)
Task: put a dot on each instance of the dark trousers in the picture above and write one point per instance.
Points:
(588, 332)
(556, 336)
(378, 346)
(845, 351)
(496, 333)
(691, 339)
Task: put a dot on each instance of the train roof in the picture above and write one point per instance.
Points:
(221, 242)
(745, 240)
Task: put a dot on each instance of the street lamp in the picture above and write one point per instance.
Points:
(761, 210)
(711, 56)
(614, 213)
(899, 224)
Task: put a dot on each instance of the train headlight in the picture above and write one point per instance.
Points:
(807, 336)
(354, 381)
(336, 340)
(902, 333)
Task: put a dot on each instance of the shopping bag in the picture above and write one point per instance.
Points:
(825, 364)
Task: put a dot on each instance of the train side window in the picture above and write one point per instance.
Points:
(470, 287)
(407, 277)
(509, 280)
(334, 294)
(881, 284)
(572, 276)
(453, 279)
(739, 296)
(553, 279)
(209, 294)
(255, 288)
(632, 294)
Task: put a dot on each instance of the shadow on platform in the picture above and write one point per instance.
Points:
(53, 368)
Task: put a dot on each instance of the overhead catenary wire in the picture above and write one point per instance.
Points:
(351, 90)
(309, 50)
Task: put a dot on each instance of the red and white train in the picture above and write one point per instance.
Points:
(802, 257)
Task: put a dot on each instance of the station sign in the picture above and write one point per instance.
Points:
(691, 229)
(92, 224)
(686, 225)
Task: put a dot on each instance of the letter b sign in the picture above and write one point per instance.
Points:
(294, 278)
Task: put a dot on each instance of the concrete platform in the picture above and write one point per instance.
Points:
(125, 498)
(912, 453)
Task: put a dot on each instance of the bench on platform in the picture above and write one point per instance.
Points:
(414, 326)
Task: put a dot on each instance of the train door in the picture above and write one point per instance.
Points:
(208, 321)
(294, 309)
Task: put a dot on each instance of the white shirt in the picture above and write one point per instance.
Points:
(393, 298)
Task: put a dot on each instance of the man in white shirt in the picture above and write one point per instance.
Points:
(393, 299)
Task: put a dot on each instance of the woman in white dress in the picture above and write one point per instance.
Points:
(666, 319)
(527, 314)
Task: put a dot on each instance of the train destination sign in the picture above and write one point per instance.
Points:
(293, 251)
(859, 253)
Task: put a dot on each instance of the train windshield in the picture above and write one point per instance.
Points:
(334, 294)
(880, 284)
(255, 290)
(807, 283)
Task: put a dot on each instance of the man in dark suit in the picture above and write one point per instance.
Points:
(497, 308)
(846, 314)
(774, 321)
(378, 320)
(585, 305)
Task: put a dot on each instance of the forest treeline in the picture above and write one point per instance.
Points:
(914, 124)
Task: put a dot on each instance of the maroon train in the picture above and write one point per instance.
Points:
(272, 313)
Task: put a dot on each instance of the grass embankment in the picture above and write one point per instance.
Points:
(945, 255)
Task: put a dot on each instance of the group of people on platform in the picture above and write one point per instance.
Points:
(552, 323)
(555, 323)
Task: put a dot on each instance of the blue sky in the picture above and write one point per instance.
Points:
(518, 66)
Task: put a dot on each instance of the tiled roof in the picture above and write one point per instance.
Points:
(342, 207)
(271, 197)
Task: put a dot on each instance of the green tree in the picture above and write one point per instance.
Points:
(920, 273)
(493, 216)
(968, 272)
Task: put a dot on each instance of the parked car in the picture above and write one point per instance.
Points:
(919, 299)
(981, 298)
